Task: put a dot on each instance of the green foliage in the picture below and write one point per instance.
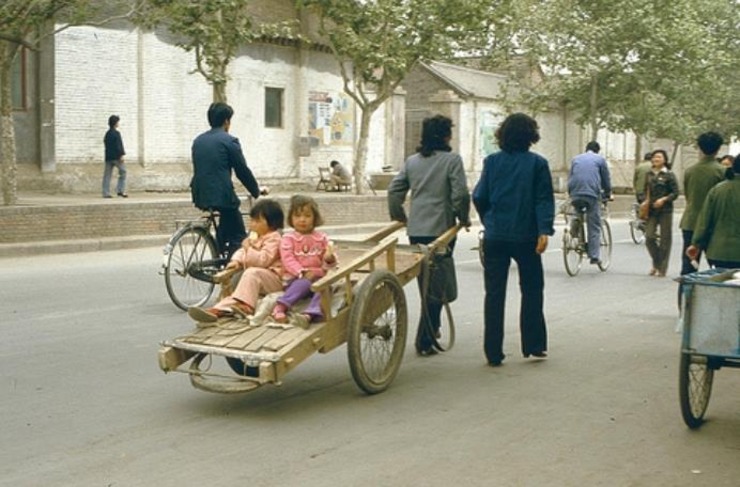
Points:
(660, 68)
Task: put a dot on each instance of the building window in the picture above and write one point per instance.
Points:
(18, 81)
(274, 107)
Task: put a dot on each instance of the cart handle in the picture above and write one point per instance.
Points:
(443, 240)
(394, 226)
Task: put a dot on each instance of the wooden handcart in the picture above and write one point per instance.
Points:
(364, 305)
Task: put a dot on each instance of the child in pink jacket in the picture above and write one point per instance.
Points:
(259, 256)
(306, 256)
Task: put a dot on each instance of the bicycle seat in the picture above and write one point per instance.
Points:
(579, 205)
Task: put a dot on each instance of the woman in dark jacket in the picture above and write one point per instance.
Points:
(514, 199)
(661, 189)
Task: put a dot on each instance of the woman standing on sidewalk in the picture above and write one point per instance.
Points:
(662, 190)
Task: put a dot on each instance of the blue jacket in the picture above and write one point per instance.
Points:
(216, 154)
(514, 197)
(589, 177)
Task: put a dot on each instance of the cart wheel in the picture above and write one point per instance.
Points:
(605, 246)
(572, 255)
(378, 323)
(694, 388)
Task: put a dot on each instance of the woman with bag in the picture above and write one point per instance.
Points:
(439, 199)
(661, 190)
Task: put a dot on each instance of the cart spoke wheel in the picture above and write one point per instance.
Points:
(572, 255)
(190, 246)
(695, 387)
(605, 246)
(378, 324)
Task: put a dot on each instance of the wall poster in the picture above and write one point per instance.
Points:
(330, 119)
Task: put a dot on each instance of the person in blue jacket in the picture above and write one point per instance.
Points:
(215, 155)
(589, 182)
(515, 202)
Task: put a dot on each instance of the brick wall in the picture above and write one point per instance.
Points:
(98, 220)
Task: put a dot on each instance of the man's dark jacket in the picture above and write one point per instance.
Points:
(113, 145)
(215, 154)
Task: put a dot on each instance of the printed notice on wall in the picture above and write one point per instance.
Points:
(330, 119)
(489, 122)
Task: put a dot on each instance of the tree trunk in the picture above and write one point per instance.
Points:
(7, 129)
(219, 91)
(358, 170)
(594, 123)
(676, 145)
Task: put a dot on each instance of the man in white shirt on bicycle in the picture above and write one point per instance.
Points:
(588, 183)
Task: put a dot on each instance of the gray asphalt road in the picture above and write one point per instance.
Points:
(84, 404)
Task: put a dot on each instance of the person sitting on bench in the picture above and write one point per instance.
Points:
(339, 177)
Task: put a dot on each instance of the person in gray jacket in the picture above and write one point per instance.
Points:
(588, 184)
(439, 199)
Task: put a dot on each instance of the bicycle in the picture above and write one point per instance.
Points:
(192, 258)
(575, 242)
(637, 225)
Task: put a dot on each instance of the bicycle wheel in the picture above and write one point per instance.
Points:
(481, 250)
(694, 388)
(378, 323)
(446, 334)
(637, 231)
(572, 255)
(605, 246)
(190, 246)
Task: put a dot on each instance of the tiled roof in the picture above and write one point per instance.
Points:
(468, 82)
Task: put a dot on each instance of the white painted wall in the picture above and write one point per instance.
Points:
(149, 83)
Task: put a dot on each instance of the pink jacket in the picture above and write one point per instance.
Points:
(303, 252)
(263, 252)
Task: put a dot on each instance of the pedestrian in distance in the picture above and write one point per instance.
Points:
(514, 199)
(727, 161)
(306, 256)
(216, 154)
(258, 258)
(661, 191)
(339, 176)
(440, 199)
(717, 229)
(697, 181)
(640, 176)
(589, 183)
(114, 153)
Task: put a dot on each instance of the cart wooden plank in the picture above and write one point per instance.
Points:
(269, 334)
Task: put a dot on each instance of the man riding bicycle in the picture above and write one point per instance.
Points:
(215, 155)
(588, 183)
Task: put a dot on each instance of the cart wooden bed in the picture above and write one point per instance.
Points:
(364, 305)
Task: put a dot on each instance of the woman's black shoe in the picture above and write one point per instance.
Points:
(536, 354)
(428, 352)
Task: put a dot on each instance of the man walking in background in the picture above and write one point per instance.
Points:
(640, 176)
(697, 181)
(588, 183)
(114, 158)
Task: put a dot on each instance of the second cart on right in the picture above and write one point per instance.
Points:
(711, 336)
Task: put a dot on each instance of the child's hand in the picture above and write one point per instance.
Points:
(309, 275)
(329, 257)
(233, 264)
